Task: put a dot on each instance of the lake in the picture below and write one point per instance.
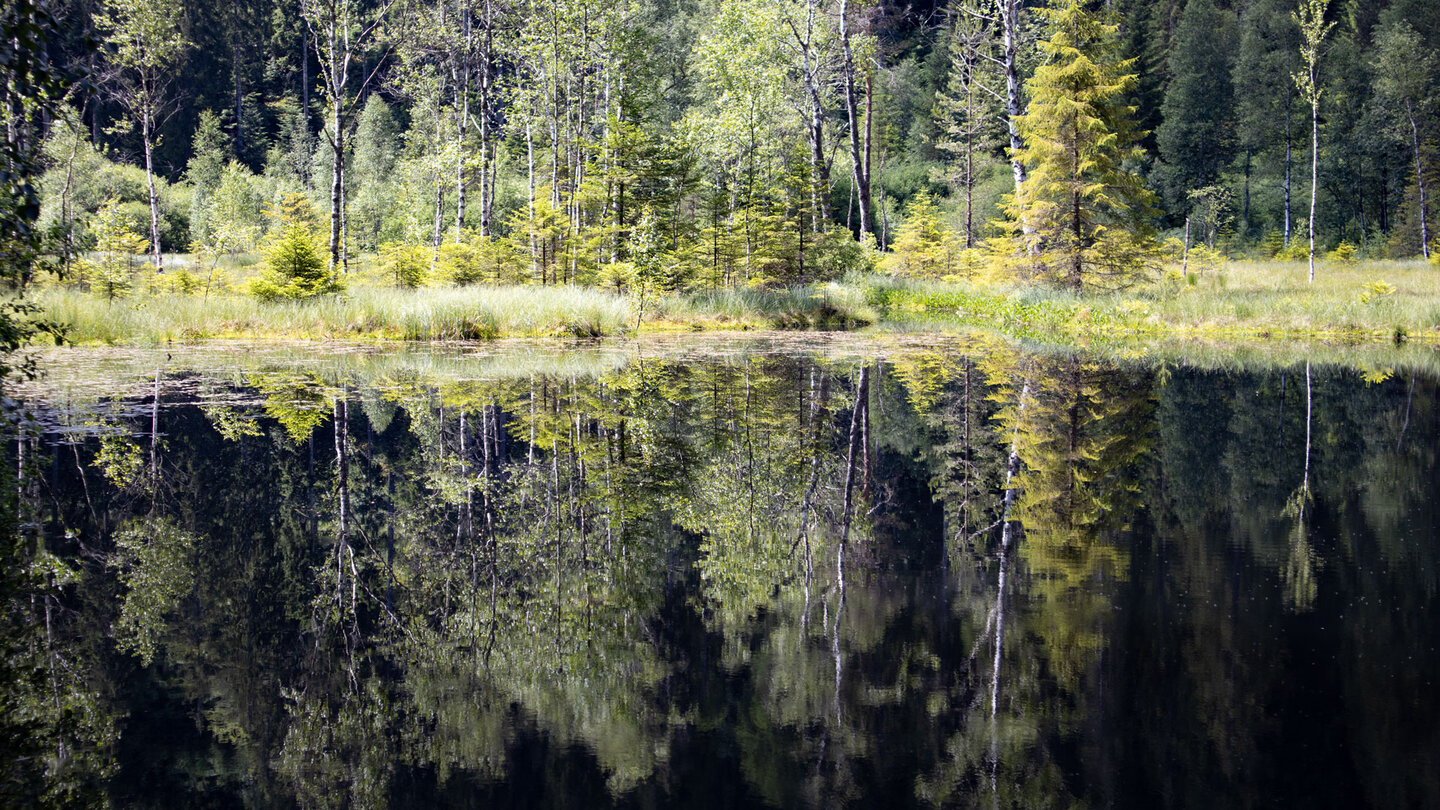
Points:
(771, 571)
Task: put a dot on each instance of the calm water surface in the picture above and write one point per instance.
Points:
(768, 576)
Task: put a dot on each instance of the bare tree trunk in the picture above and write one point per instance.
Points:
(859, 161)
(337, 166)
(1287, 170)
(147, 133)
(1420, 181)
(819, 174)
(1314, 172)
(1010, 35)
(857, 417)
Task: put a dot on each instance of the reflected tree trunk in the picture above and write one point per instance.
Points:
(857, 418)
(1008, 531)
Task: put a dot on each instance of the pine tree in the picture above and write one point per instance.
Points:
(1404, 73)
(1084, 214)
(1195, 135)
(1268, 53)
(205, 170)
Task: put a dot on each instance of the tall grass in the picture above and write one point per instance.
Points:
(464, 313)
(1241, 299)
(809, 306)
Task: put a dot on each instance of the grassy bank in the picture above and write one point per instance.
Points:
(466, 313)
(1242, 299)
(1377, 300)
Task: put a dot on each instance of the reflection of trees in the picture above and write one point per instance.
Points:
(622, 571)
(1068, 486)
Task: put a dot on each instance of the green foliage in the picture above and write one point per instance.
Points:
(112, 272)
(405, 264)
(921, 247)
(155, 559)
(1195, 137)
(1343, 254)
(119, 459)
(294, 267)
(1081, 218)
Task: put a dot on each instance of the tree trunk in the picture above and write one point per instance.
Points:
(146, 136)
(1314, 171)
(1420, 181)
(1287, 170)
(860, 163)
(337, 166)
(1010, 33)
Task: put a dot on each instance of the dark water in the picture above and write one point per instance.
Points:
(760, 579)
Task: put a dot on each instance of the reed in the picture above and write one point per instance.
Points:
(460, 313)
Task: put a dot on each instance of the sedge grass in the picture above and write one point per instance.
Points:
(463, 313)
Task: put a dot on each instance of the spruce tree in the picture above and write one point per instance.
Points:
(1081, 217)
(1195, 136)
(1267, 108)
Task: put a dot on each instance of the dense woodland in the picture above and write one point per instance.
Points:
(693, 143)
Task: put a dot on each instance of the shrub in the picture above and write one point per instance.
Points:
(293, 264)
(1344, 253)
(404, 263)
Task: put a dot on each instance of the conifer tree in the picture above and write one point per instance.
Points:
(1085, 213)
(293, 266)
(1194, 136)
(1404, 73)
(969, 109)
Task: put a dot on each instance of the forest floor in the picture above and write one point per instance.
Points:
(1391, 300)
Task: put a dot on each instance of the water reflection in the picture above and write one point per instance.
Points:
(932, 577)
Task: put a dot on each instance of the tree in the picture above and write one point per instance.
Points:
(969, 109)
(146, 45)
(115, 246)
(375, 153)
(343, 32)
(293, 267)
(1195, 135)
(205, 170)
(859, 155)
(1404, 71)
(1267, 55)
(1313, 28)
(920, 245)
(1082, 216)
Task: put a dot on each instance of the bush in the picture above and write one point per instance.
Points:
(404, 263)
(1344, 253)
(293, 264)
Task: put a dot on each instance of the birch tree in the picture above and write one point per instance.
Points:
(145, 47)
(1313, 29)
(342, 34)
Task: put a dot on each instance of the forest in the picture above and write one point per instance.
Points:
(659, 146)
